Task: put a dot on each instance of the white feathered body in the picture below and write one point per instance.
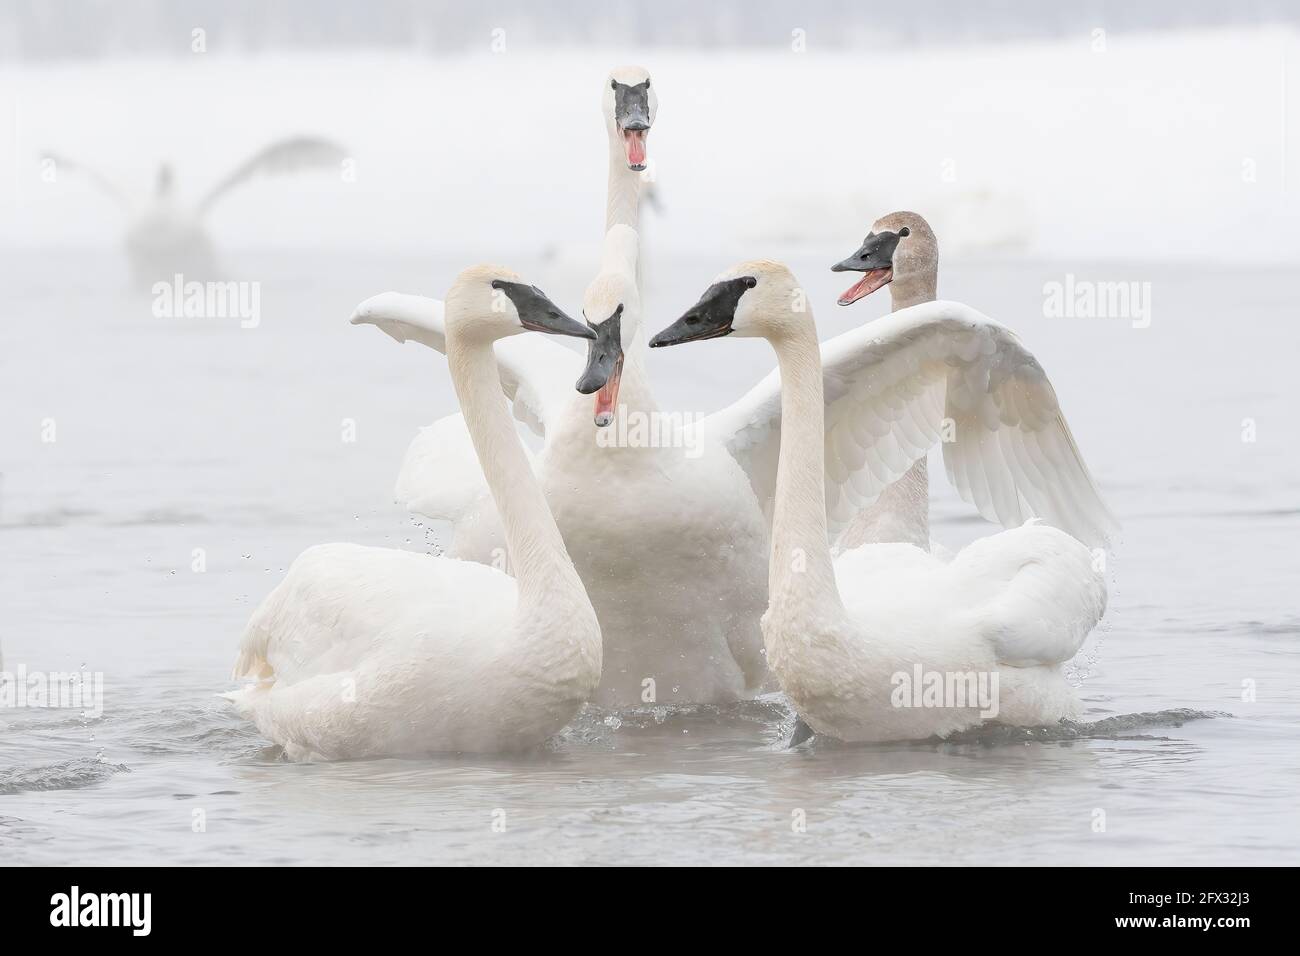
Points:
(670, 542)
(672, 546)
(366, 652)
(1017, 604)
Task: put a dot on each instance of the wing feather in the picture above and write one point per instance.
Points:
(889, 387)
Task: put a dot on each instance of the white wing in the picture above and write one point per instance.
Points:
(441, 476)
(341, 604)
(890, 386)
(1032, 592)
(284, 156)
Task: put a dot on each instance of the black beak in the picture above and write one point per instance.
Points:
(632, 106)
(604, 353)
(711, 317)
(876, 252)
(538, 313)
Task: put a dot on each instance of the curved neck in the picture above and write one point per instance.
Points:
(537, 555)
(623, 194)
(801, 572)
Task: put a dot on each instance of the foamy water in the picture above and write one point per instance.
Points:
(180, 434)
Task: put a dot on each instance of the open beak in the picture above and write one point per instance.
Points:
(604, 369)
(634, 144)
(607, 397)
(869, 283)
(632, 114)
(875, 259)
(710, 318)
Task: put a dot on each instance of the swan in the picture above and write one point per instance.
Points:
(901, 251)
(165, 236)
(847, 636)
(369, 652)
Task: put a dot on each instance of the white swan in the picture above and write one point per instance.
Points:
(847, 637)
(367, 652)
(166, 237)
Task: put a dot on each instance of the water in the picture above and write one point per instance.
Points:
(181, 434)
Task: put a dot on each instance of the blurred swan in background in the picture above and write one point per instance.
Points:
(846, 636)
(167, 236)
(370, 652)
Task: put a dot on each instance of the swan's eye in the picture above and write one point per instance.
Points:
(750, 282)
(613, 84)
(647, 83)
(904, 233)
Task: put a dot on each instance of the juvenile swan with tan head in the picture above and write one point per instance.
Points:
(369, 652)
(1008, 449)
(842, 634)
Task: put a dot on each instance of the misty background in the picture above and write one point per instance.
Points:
(1097, 131)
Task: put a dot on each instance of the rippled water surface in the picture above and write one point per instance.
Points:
(175, 435)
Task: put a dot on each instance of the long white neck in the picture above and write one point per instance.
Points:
(538, 558)
(623, 193)
(635, 393)
(801, 575)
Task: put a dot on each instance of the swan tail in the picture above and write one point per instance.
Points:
(247, 698)
(1044, 592)
(251, 665)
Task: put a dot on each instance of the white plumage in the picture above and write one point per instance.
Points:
(366, 652)
(844, 634)
(890, 385)
(672, 540)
